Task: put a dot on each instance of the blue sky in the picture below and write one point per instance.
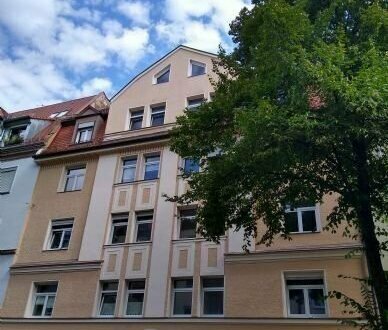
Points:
(53, 50)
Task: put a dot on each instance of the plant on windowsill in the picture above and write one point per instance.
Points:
(12, 140)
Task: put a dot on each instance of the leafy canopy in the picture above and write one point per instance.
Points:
(304, 90)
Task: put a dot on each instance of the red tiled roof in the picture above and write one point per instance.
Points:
(3, 113)
(44, 112)
(64, 139)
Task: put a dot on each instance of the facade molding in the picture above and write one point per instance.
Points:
(300, 253)
(55, 267)
(189, 320)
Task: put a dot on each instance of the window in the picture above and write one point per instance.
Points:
(84, 133)
(60, 234)
(187, 224)
(7, 175)
(135, 298)
(143, 226)
(182, 296)
(136, 120)
(305, 296)
(197, 68)
(213, 296)
(15, 135)
(75, 178)
(119, 228)
(44, 298)
(195, 102)
(301, 219)
(108, 298)
(163, 76)
(151, 168)
(129, 170)
(157, 115)
(190, 165)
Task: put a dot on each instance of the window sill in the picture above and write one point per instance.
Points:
(127, 244)
(134, 182)
(55, 250)
(305, 232)
(68, 191)
(197, 75)
(303, 316)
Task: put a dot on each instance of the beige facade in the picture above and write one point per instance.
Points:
(125, 233)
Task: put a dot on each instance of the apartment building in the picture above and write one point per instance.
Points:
(103, 249)
(23, 134)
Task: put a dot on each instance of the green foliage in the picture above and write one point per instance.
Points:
(366, 310)
(299, 112)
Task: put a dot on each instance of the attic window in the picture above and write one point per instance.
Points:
(85, 132)
(196, 68)
(162, 76)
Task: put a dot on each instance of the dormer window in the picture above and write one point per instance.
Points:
(162, 76)
(197, 68)
(85, 132)
(16, 135)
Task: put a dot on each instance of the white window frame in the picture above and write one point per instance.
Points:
(131, 116)
(85, 127)
(298, 211)
(143, 213)
(46, 295)
(194, 98)
(180, 223)
(135, 291)
(76, 176)
(118, 220)
(190, 70)
(160, 73)
(174, 290)
(123, 167)
(305, 289)
(59, 222)
(107, 292)
(9, 169)
(148, 163)
(154, 107)
(212, 289)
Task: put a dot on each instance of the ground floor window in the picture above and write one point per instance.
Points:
(182, 296)
(44, 299)
(213, 296)
(135, 298)
(108, 298)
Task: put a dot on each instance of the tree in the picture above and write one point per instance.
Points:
(299, 111)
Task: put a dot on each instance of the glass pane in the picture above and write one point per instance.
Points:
(66, 239)
(296, 301)
(144, 232)
(109, 286)
(136, 123)
(151, 171)
(213, 303)
(312, 281)
(157, 119)
(317, 301)
(49, 306)
(291, 222)
(76, 171)
(130, 162)
(136, 285)
(195, 102)
(165, 77)
(43, 288)
(191, 166)
(182, 303)
(38, 307)
(184, 283)
(56, 240)
(135, 304)
(213, 282)
(119, 233)
(309, 221)
(80, 182)
(108, 302)
(188, 228)
(197, 70)
(128, 174)
(69, 183)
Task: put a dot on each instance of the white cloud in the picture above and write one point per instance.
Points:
(201, 24)
(96, 85)
(138, 12)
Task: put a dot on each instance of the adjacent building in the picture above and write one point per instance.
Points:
(22, 135)
(103, 249)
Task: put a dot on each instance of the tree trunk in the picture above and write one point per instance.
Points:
(367, 227)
